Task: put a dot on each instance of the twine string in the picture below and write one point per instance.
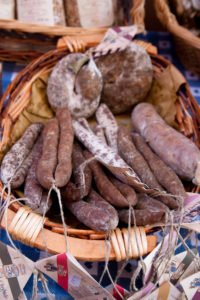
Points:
(46, 290)
(137, 243)
(82, 168)
(54, 187)
(35, 281)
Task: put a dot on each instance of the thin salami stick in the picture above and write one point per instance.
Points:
(71, 192)
(143, 216)
(64, 168)
(20, 175)
(95, 199)
(91, 216)
(109, 158)
(44, 206)
(82, 178)
(126, 190)
(15, 157)
(85, 124)
(164, 174)
(107, 121)
(133, 158)
(32, 189)
(106, 189)
(149, 203)
(48, 162)
(100, 133)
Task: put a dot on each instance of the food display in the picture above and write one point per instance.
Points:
(99, 166)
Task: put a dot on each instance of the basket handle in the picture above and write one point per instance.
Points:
(72, 44)
(163, 12)
(138, 12)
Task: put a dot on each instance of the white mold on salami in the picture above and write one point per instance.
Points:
(106, 119)
(15, 157)
(75, 85)
(107, 156)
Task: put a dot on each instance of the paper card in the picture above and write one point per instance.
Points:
(191, 286)
(165, 292)
(191, 214)
(69, 274)
(15, 271)
(149, 268)
(116, 39)
(150, 258)
(191, 218)
(113, 291)
(22, 296)
(180, 267)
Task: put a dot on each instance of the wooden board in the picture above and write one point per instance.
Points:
(82, 249)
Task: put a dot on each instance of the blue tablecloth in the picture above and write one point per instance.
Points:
(165, 45)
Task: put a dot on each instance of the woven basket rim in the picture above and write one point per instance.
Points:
(10, 93)
(169, 20)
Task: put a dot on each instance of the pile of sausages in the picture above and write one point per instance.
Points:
(87, 165)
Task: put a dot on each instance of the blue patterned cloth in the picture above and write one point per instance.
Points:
(165, 45)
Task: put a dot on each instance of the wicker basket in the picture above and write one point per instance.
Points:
(23, 42)
(25, 225)
(187, 44)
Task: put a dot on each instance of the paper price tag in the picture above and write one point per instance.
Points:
(115, 39)
(69, 274)
(15, 271)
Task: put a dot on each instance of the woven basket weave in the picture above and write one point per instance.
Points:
(187, 44)
(83, 244)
